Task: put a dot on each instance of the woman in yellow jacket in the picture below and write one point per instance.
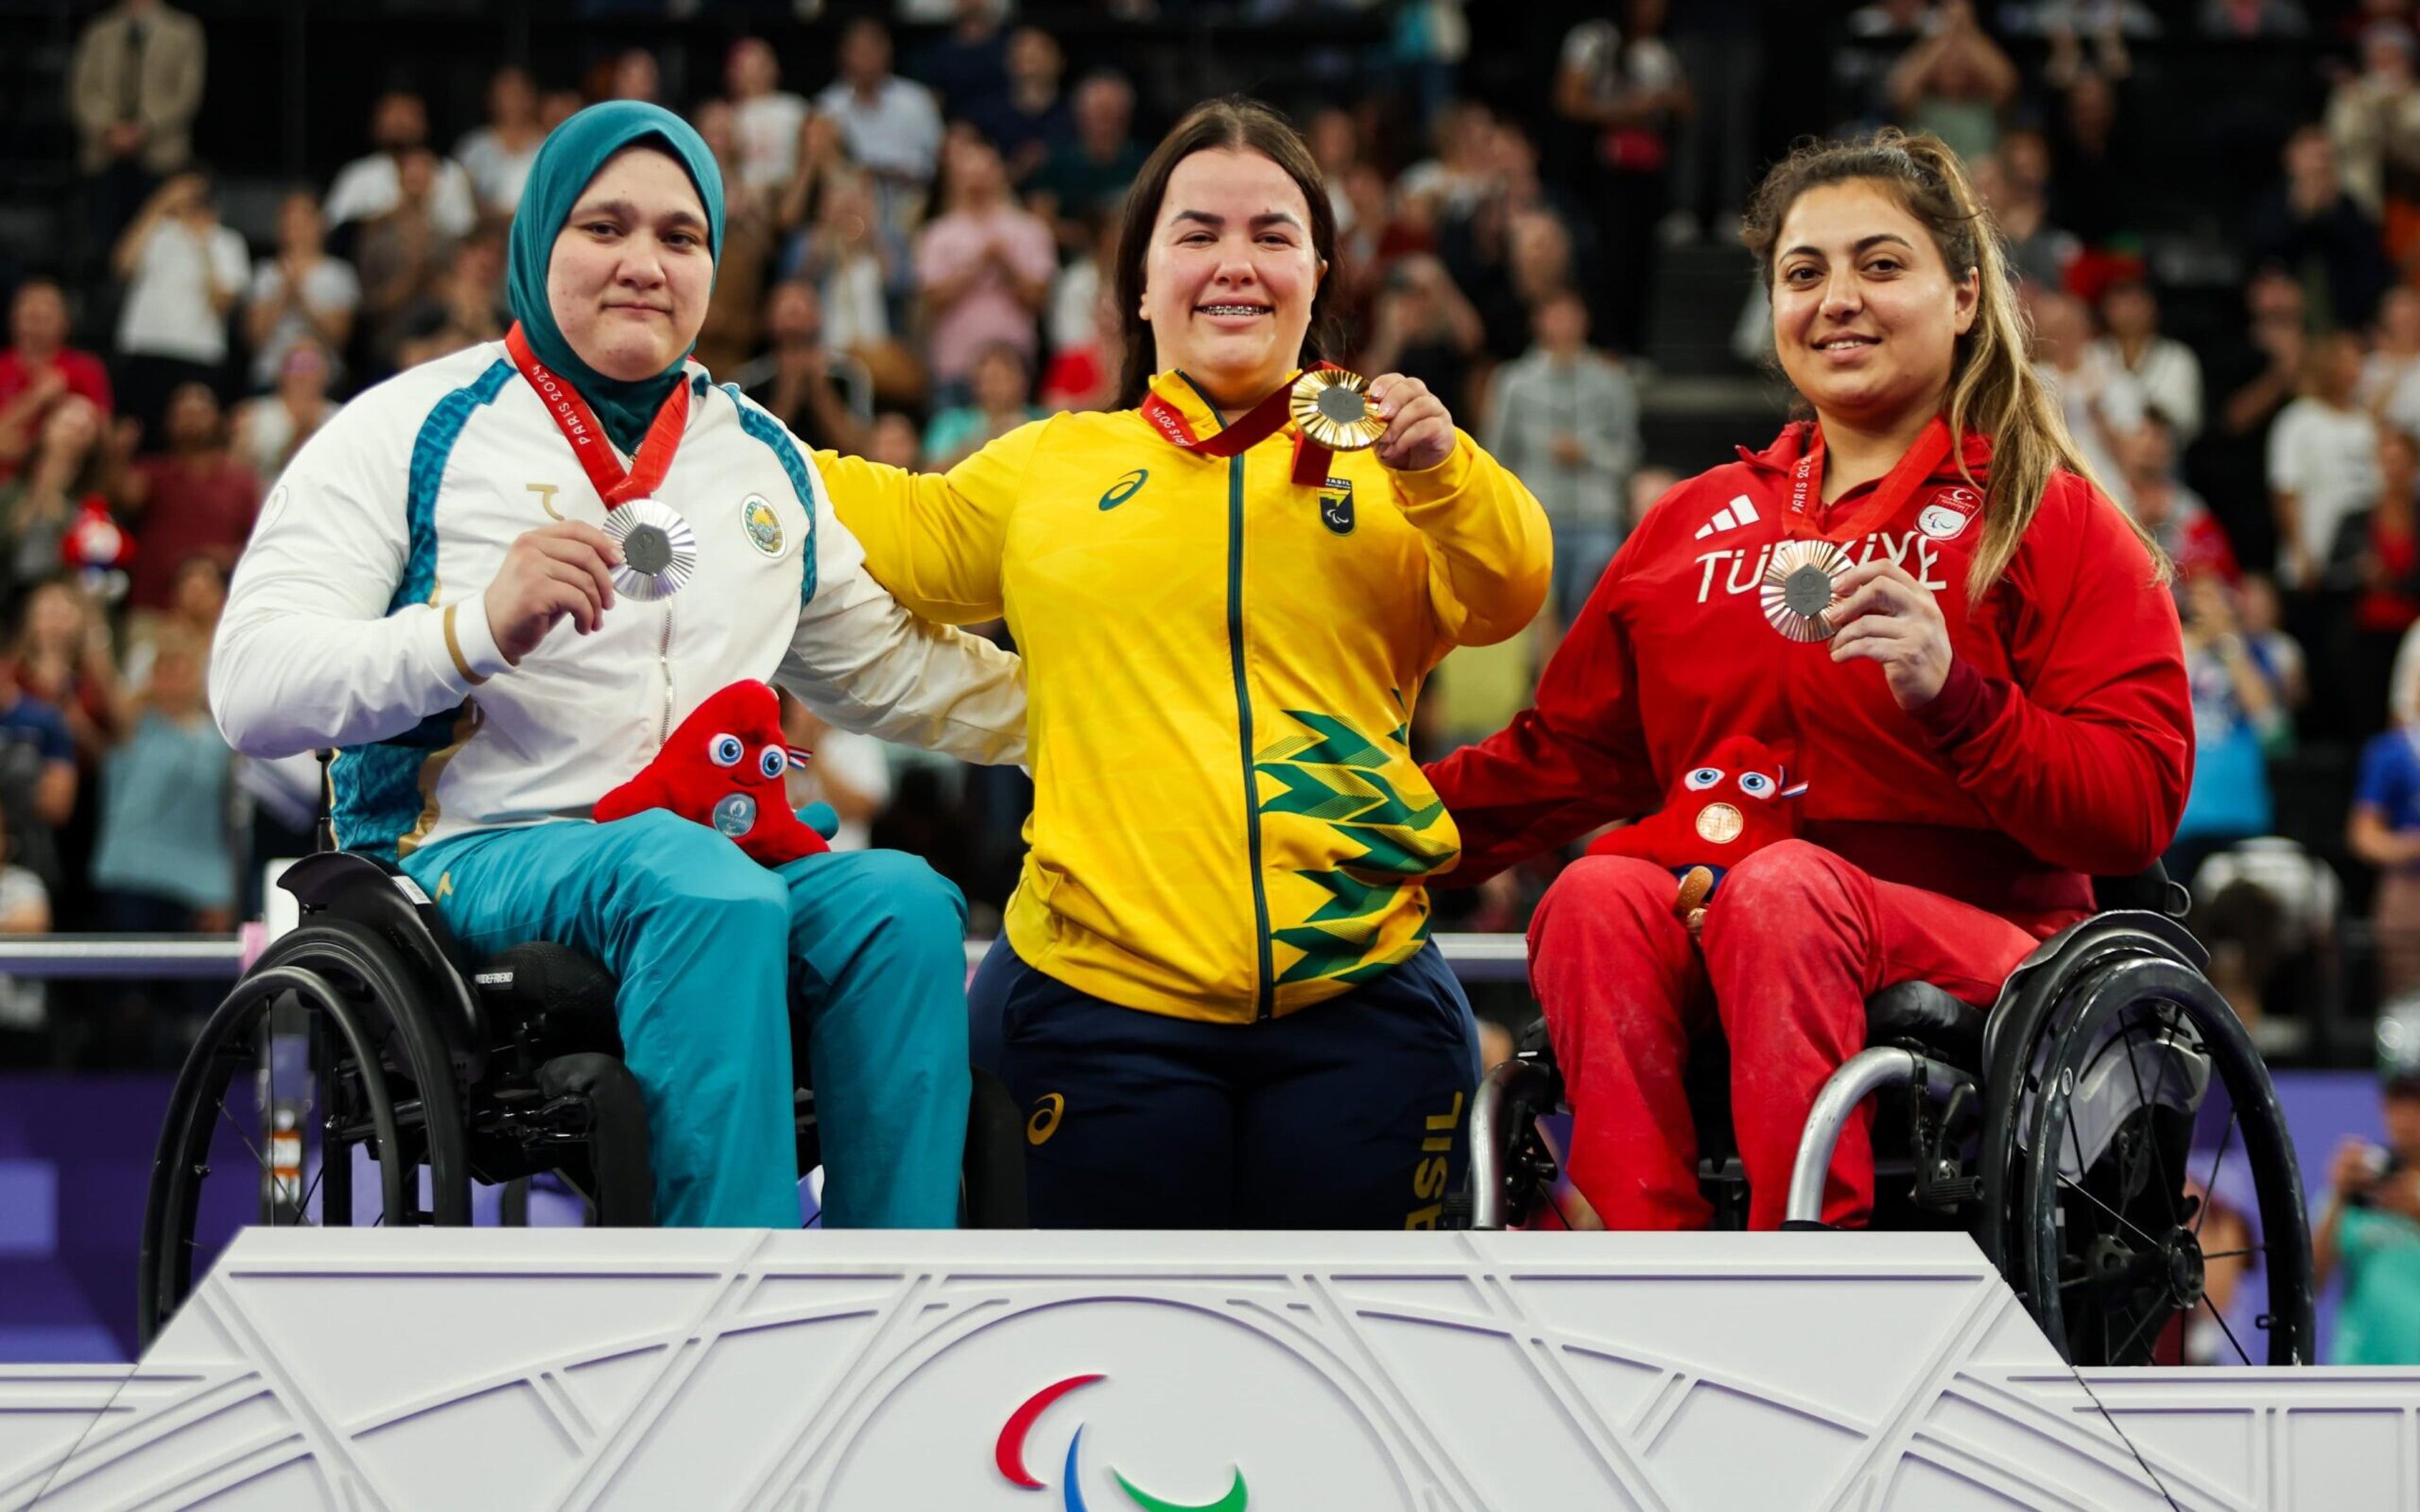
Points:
(1215, 992)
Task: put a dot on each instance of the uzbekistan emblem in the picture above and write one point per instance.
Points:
(763, 527)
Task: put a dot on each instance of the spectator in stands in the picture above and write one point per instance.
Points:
(1001, 402)
(767, 118)
(404, 254)
(184, 272)
(2103, 404)
(1452, 183)
(2164, 369)
(2016, 181)
(1721, 53)
(2173, 514)
(1085, 177)
(66, 473)
(2376, 562)
(465, 307)
(61, 656)
(2384, 832)
(1083, 373)
(891, 127)
(820, 163)
(165, 862)
(2238, 719)
(2319, 234)
(38, 779)
(498, 155)
(1424, 328)
(1876, 37)
(301, 294)
(1031, 117)
(39, 371)
(632, 74)
(2249, 20)
(24, 909)
(2390, 374)
(270, 429)
(844, 255)
(373, 185)
(1335, 143)
(134, 84)
(2374, 121)
(966, 66)
(894, 442)
(2369, 1228)
(2097, 184)
(983, 269)
(1954, 83)
(2253, 371)
(729, 336)
(1564, 419)
(1624, 86)
(2322, 460)
(1075, 289)
(197, 498)
(797, 387)
(851, 772)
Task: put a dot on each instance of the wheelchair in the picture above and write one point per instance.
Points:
(2072, 1129)
(367, 1028)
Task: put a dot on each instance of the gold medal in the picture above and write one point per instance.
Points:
(1797, 588)
(658, 549)
(1332, 407)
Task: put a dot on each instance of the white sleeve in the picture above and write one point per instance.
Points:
(454, 207)
(306, 654)
(2284, 452)
(864, 663)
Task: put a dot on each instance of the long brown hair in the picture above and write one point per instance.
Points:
(1235, 123)
(1993, 386)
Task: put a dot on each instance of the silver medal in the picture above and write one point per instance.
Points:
(658, 549)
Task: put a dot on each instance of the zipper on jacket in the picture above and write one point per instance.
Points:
(664, 661)
(1267, 989)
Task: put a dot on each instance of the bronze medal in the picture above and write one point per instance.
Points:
(1798, 585)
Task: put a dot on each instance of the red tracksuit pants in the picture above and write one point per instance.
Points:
(1793, 944)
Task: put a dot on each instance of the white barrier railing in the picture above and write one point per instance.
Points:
(152, 957)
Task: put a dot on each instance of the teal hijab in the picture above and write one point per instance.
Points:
(570, 158)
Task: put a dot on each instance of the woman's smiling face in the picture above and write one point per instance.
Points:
(1866, 314)
(1230, 275)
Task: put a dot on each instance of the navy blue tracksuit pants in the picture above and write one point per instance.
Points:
(1345, 1115)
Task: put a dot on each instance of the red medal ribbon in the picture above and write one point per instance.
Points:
(1919, 462)
(1263, 420)
(579, 425)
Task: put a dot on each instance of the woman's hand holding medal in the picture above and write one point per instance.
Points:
(1420, 430)
(1883, 615)
(554, 571)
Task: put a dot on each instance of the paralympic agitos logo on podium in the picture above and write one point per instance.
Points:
(1009, 1454)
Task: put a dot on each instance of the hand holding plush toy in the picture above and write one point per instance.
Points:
(724, 768)
(1719, 813)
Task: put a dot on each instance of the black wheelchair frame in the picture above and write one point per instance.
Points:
(448, 1070)
(2099, 1054)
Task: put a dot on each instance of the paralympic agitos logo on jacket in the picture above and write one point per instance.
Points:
(1739, 570)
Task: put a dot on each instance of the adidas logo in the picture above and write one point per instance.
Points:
(1730, 517)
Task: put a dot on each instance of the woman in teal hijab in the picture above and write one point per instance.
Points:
(584, 315)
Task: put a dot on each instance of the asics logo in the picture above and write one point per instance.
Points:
(1125, 489)
(1730, 517)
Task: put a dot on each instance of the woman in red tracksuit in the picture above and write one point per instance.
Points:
(2000, 713)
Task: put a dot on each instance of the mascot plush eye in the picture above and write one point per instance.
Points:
(1756, 784)
(1704, 777)
(772, 763)
(725, 750)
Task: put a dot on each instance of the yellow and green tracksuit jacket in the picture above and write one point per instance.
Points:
(1220, 667)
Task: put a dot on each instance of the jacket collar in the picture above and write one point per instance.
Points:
(1179, 391)
(1787, 448)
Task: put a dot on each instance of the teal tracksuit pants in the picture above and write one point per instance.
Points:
(718, 958)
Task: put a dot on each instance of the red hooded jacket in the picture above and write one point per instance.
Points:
(2060, 748)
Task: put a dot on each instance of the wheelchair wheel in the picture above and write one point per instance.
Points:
(2145, 1120)
(327, 1029)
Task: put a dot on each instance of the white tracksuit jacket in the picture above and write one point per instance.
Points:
(356, 619)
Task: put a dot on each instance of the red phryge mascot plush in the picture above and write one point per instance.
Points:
(724, 768)
(1722, 810)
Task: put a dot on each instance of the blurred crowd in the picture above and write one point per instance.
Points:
(923, 203)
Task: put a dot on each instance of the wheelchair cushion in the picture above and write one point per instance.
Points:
(1925, 1014)
(551, 994)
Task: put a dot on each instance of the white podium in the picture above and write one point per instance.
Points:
(1010, 1372)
